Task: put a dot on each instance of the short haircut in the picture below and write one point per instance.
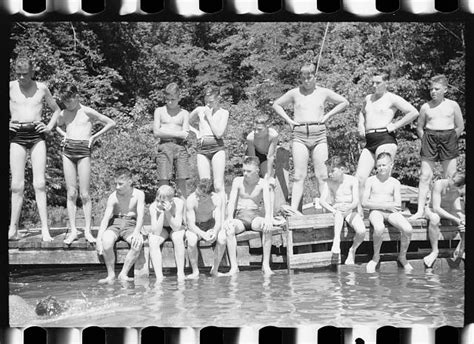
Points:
(165, 191)
(459, 179)
(251, 160)
(439, 79)
(211, 91)
(385, 74)
(68, 91)
(24, 61)
(123, 172)
(172, 88)
(384, 155)
(261, 118)
(336, 162)
(308, 68)
(205, 186)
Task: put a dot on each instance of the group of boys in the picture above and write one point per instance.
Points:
(203, 215)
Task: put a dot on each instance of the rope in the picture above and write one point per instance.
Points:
(321, 49)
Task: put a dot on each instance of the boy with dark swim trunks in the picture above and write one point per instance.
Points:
(123, 219)
(204, 221)
(383, 199)
(439, 126)
(244, 212)
(340, 196)
(262, 143)
(447, 202)
(167, 216)
(75, 125)
(171, 126)
(27, 134)
(377, 127)
(309, 127)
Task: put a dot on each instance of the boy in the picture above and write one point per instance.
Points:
(383, 199)
(308, 126)
(447, 202)
(244, 212)
(342, 190)
(123, 219)
(171, 126)
(262, 143)
(204, 220)
(27, 134)
(167, 216)
(439, 127)
(375, 124)
(76, 151)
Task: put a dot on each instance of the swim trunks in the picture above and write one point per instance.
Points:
(247, 216)
(377, 137)
(209, 145)
(76, 150)
(205, 226)
(439, 145)
(172, 152)
(384, 213)
(169, 229)
(26, 135)
(123, 226)
(310, 134)
(261, 156)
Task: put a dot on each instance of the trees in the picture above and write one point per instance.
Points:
(122, 68)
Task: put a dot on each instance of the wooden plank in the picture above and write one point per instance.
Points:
(314, 259)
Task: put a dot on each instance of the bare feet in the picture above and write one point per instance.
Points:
(159, 277)
(88, 236)
(371, 266)
(267, 271)
(336, 247)
(181, 277)
(350, 260)
(124, 277)
(416, 216)
(70, 237)
(430, 259)
(194, 275)
(279, 221)
(405, 264)
(109, 280)
(232, 272)
(13, 234)
(46, 236)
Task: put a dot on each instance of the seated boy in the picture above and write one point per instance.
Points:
(75, 125)
(446, 203)
(340, 195)
(123, 219)
(383, 198)
(439, 126)
(244, 212)
(167, 216)
(204, 221)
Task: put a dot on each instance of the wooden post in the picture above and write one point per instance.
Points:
(282, 172)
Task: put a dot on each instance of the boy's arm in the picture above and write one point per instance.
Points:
(217, 126)
(436, 200)
(397, 196)
(355, 194)
(458, 120)
(420, 125)
(250, 145)
(191, 217)
(324, 198)
(53, 106)
(176, 221)
(140, 211)
(59, 128)
(161, 133)
(335, 98)
(366, 203)
(361, 124)
(96, 116)
(409, 110)
(278, 105)
(271, 155)
(185, 121)
(156, 219)
(232, 199)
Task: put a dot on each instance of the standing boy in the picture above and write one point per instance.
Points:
(167, 216)
(204, 221)
(375, 124)
(78, 119)
(439, 126)
(244, 212)
(27, 134)
(123, 219)
(447, 202)
(341, 197)
(309, 127)
(171, 126)
(383, 199)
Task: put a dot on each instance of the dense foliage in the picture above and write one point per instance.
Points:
(122, 69)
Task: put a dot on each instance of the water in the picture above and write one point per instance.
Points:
(342, 298)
